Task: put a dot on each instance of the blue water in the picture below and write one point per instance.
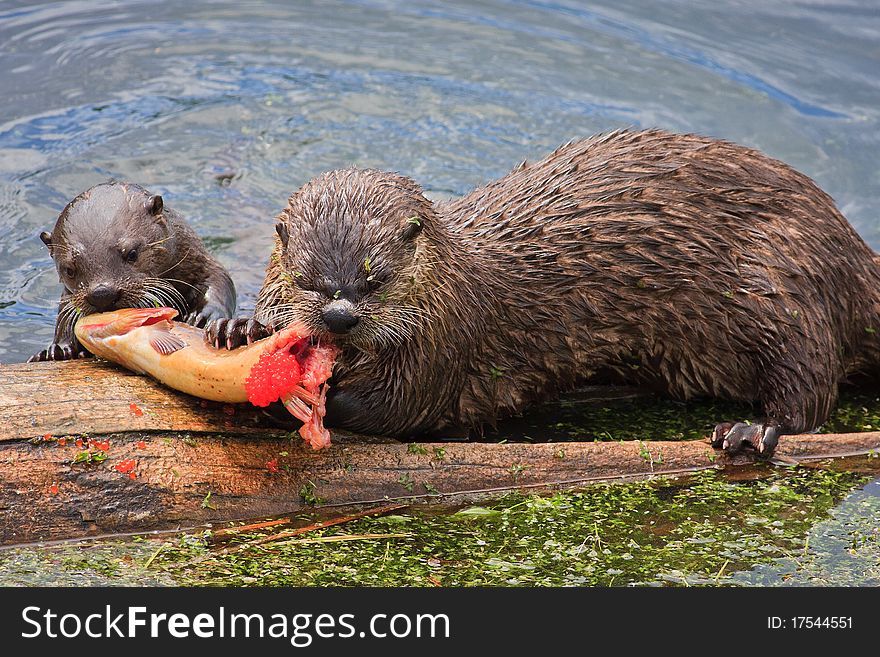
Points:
(179, 96)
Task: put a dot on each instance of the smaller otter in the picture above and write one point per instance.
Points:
(116, 245)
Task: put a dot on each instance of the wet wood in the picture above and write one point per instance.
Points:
(91, 396)
(200, 465)
(184, 482)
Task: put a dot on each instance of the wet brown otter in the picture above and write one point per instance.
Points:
(116, 245)
(689, 264)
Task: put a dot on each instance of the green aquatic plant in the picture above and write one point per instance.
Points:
(704, 529)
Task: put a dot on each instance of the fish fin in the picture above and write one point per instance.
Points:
(298, 408)
(166, 343)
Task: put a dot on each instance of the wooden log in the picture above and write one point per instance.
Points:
(239, 470)
(95, 397)
(184, 482)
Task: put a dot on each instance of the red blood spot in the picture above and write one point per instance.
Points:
(62, 441)
(79, 443)
(53, 489)
(132, 475)
(102, 445)
(141, 444)
(274, 375)
(47, 436)
(272, 466)
(229, 409)
(126, 466)
(134, 409)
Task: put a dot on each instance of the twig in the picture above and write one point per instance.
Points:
(321, 524)
(154, 555)
(247, 528)
(343, 537)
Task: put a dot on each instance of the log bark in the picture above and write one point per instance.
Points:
(194, 464)
(96, 397)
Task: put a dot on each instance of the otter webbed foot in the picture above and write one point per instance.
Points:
(235, 332)
(732, 437)
(60, 351)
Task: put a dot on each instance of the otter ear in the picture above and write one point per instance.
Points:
(154, 204)
(412, 227)
(281, 229)
(46, 236)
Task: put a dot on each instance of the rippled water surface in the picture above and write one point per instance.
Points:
(180, 96)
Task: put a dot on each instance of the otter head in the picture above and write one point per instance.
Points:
(353, 249)
(111, 246)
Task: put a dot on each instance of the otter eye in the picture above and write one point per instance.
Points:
(131, 255)
(69, 271)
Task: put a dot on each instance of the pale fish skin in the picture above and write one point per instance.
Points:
(149, 341)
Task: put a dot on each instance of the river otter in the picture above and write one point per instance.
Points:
(692, 265)
(116, 245)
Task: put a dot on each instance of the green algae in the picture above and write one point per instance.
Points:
(99, 563)
(841, 550)
(653, 417)
(641, 418)
(785, 527)
(857, 410)
(789, 526)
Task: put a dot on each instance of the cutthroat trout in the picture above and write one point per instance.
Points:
(285, 366)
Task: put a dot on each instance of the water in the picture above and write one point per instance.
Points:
(181, 96)
(785, 527)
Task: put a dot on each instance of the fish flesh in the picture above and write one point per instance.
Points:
(287, 366)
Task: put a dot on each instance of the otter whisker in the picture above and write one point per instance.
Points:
(168, 292)
(177, 264)
(158, 242)
(67, 317)
(149, 296)
(177, 280)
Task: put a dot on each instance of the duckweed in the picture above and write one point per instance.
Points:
(649, 417)
(790, 526)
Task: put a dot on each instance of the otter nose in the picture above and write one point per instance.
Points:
(103, 296)
(339, 319)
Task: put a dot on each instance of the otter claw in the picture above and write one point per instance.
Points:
(59, 352)
(732, 437)
(235, 332)
(196, 319)
(201, 318)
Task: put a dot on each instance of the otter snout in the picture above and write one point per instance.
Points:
(103, 296)
(340, 316)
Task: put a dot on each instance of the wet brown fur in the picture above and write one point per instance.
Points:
(689, 264)
(173, 268)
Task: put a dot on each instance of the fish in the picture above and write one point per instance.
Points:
(288, 366)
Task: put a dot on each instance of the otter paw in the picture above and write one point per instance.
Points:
(342, 409)
(59, 351)
(733, 436)
(201, 318)
(232, 333)
(197, 319)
